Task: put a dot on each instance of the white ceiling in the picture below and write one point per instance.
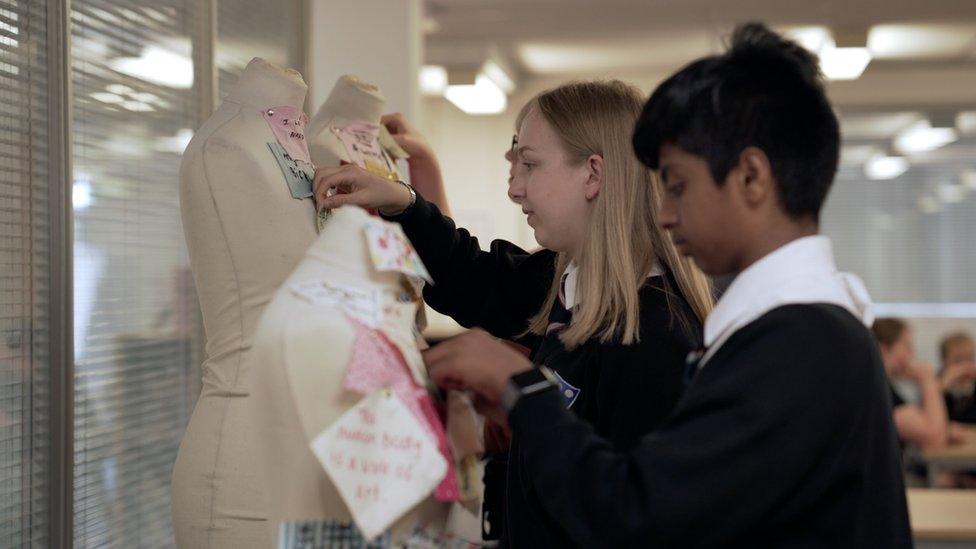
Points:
(925, 51)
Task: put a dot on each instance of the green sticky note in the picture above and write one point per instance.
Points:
(298, 174)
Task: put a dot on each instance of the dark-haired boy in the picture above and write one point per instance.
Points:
(784, 436)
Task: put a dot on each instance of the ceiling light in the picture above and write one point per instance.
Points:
(158, 66)
(843, 63)
(498, 76)
(106, 97)
(922, 137)
(951, 194)
(433, 79)
(836, 63)
(968, 179)
(81, 192)
(885, 167)
(871, 126)
(811, 38)
(137, 106)
(929, 204)
(966, 121)
(120, 89)
(915, 41)
(857, 154)
(482, 97)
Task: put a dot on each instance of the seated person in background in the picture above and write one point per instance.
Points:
(958, 376)
(927, 424)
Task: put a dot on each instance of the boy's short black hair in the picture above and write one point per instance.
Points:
(766, 92)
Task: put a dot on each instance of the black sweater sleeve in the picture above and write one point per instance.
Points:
(640, 384)
(498, 290)
(751, 438)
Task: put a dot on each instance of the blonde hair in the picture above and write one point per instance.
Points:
(623, 239)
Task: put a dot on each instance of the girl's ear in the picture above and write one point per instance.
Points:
(594, 181)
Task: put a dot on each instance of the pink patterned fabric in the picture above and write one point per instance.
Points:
(374, 364)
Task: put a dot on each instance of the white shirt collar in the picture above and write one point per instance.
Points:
(802, 271)
(570, 280)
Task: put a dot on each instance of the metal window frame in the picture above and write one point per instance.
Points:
(61, 303)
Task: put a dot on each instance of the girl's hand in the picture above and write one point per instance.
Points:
(408, 137)
(354, 185)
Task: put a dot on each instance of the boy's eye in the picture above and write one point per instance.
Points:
(527, 165)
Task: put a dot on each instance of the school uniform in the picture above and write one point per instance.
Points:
(783, 438)
(622, 391)
(961, 408)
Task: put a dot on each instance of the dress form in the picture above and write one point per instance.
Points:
(298, 364)
(245, 234)
(351, 100)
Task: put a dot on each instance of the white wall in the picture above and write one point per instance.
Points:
(471, 151)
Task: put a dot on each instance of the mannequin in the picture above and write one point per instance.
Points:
(245, 233)
(302, 348)
(350, 101)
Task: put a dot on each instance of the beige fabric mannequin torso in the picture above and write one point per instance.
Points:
(245, 234)
(298, 364)
(351, 100)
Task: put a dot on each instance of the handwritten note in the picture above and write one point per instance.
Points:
(288, 126)
(299, 175)
(362, 143)
(380, 460)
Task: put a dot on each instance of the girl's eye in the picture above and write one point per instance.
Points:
(675, 189)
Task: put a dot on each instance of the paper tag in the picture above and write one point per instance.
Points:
(376, 364)
(361, 140)
(364, 306)
(298, 174)
(390, 249)
(390, 145)
(288, 126)
(380, 460)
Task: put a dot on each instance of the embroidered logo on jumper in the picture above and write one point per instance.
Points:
(568, 392)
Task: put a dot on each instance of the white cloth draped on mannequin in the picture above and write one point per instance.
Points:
(320, 323)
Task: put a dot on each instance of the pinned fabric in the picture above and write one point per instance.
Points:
(288, 126)
(391, 250)
(375, 364)
(362, 143)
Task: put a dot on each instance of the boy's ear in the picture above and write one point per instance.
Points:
(594, 182)
(756, 173)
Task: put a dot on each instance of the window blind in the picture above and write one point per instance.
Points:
(24, 282)
(255, 28)
(909, 237)
(137, 342)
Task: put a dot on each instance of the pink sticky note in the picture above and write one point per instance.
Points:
(288, 126)
(376, 363)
